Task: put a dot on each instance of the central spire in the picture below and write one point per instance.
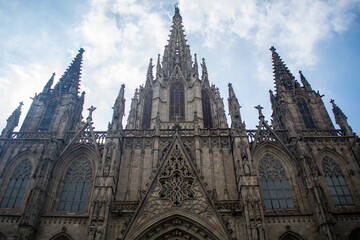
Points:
(177, 52)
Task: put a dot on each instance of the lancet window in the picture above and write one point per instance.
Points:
(146, 121)
(177, 107)
(76, 186)
(46, 120)
(206, 109)
(335, 179)
(274, 184)
(305, 113)
(17, 185)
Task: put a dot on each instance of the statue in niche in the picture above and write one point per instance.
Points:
(107, 166)
(254, 230)
(244, 157)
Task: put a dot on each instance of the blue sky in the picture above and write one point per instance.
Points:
(321, 38)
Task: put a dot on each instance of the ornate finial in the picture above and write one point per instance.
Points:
(91, 110)
(195, 115)
(177, 11)
(304, 82)
(177, 126)
(204, 70)
(272, 48)
(149, 72)
(22, 103)
(259, 108)
(341, 119)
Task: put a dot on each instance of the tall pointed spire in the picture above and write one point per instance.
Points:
(177, 52)
(70, 80)
(234, 111)
(12, 122)
(196, 67)
(304, 82)
(49, 84)
(119, 110)
(149, 74)
(131, 121)
(158, 66)
(284, 80)
(204, 75)
(341, 119)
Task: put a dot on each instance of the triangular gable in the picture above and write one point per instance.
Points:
(85, 135)
(176, 75)
(176, 193)
(265, 133)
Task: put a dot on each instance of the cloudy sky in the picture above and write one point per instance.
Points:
(319, 37)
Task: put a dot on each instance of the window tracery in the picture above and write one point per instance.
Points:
(17, 185)
(337, 185)
(147, 110)
(206, 109)
(46, 120)
(177, 101)
(274, 184)
(76, 186)
(306, 115)
(176, 180)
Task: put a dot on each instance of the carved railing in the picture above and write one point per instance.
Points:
(183, 125)
(266, 135)
(215, 132)
(33, 135)
(321, 133)
(125, 207)
(171, 132)
(228, 206)
(85, 137)
(139, 132)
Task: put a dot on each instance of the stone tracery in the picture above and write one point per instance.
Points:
(176, 180)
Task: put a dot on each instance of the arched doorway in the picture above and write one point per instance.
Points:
(177, 227)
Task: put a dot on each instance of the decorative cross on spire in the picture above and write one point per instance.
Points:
(21, 104)
(91, 110)
(259, 108)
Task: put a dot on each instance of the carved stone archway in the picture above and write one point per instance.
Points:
(177, 228)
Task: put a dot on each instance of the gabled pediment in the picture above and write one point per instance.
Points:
(176, 193)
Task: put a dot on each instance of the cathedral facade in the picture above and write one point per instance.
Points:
(177, 170)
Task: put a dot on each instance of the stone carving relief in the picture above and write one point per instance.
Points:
(176, 187)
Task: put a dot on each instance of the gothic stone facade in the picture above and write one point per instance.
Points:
(177, 170)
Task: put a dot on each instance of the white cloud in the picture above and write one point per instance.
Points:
(119, 37)
(295, 26)
(16, 82)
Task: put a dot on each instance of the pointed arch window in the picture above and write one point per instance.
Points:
(62, 236)
(146, 121)
(48, 114)
(290, 236)
(305, 113)
(177, 107)
(76, 186)
(17, 185)
(355, 234)
(274, 184)
(206, 109)
(335, 179)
